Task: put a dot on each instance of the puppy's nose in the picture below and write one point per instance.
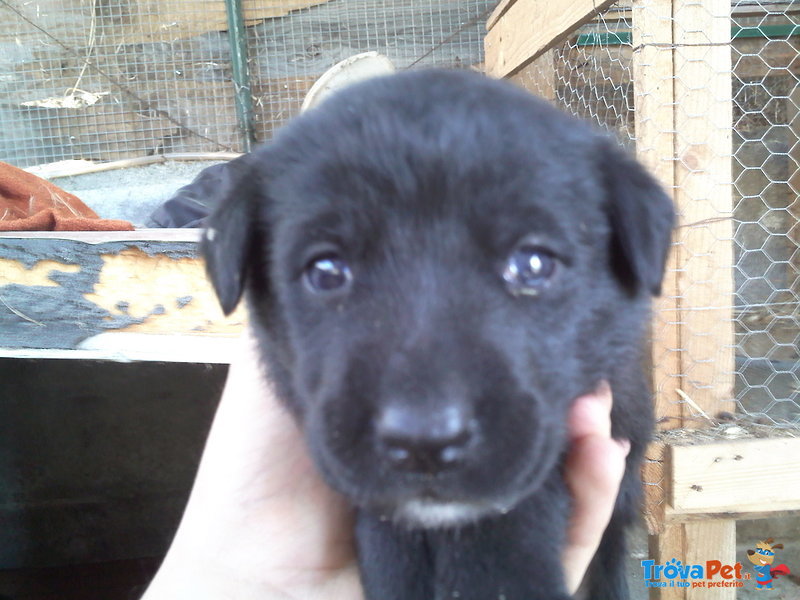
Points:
(424, 441)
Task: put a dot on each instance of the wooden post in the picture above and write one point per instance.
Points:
(682, 86)
(793, 118)
(654, 118)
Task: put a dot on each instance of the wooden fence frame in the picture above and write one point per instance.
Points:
(683, 115)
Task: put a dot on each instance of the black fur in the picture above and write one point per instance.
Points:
(425, 183)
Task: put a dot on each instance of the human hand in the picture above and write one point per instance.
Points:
(261, 524)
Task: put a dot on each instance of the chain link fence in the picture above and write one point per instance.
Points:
(114, 79)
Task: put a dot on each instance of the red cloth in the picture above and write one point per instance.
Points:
(779, 570)
(30, 203)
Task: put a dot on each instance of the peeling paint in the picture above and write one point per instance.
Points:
(37, 316)
(29, 251)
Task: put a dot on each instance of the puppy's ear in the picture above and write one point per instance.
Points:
(642, 217)
(228, 236)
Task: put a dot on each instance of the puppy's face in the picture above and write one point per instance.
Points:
(436, 265)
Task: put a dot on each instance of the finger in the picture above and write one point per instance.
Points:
(594, 470)
(591, 414)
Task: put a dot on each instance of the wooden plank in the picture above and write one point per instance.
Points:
(703, 180)
(498, 12)
(710, 540)
(654, 92)
(735, 476)
(653, 75)
(669, 544)
(162, 294)
(57, 293)
(682, 90)
(694, 543)
(530, 27)
(133, 347)
(72, 167)
(655, 480)
(101, 237)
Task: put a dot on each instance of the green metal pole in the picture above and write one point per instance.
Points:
(237, 37)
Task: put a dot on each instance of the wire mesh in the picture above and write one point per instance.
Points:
(111, 79)
(751, 328)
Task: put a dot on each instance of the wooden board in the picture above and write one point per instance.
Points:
(654, 92)
(656, 483)
(703, 183)
(735, 477)
(527, 28)
(695, 543)
(82, 291)
(683, 120)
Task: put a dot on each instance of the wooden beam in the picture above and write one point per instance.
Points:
(703, 184)
(102, 237)
(656, 481)
(139, 347)
(498, 12)
(734, 477)
(695, 543)
(682, 91)
(530, 27)
(654, 118)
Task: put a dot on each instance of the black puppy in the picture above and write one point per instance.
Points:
(436, 265)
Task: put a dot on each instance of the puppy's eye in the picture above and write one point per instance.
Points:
(327, 273)
(529, 269)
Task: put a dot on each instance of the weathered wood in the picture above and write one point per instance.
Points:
(654, 92)
(498, 12)
(56, 294)
(694, 543)
(710, 540)
(70, 168)
(530, 27)
(682, 89)
(734, 476)
(656, 485)
(133, 347)
(100, 237)
(703, 183)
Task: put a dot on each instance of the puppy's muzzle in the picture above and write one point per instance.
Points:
(424, 440)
